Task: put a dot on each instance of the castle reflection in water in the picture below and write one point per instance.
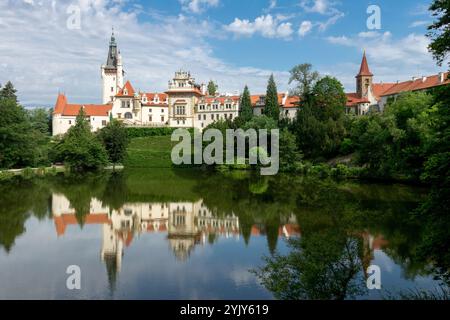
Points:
(186, 224)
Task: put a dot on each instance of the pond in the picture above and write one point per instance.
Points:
(192, 234)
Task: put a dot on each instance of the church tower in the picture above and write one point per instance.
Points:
(364, 79)
(112, 72)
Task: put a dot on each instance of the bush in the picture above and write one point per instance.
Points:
(28, 173)
(151, 132)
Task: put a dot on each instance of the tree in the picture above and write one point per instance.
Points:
(439, 31)
(246, 112)
(212, 88)
(115, 140)
(8, 92)
(305, 79)
(16, 145)
(39, 119)
(272, 107)
(319, 125)
(79, 148)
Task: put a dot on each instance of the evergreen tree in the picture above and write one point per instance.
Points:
(272, 107)
(8, 92)
(246, 112)
(212, 88)
(115, 140)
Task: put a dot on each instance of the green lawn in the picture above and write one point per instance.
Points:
(150, 152)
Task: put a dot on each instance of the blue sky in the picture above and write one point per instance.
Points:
(232, 42)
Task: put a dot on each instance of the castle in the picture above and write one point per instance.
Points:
(186, 104)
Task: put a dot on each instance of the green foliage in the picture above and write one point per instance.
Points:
(246, 110)
(272, 107)
(80, 149)
(398, 141)
(304, 78)
(290, 156)
(20, 144)
(150, 132)
(40, 119)
(439, 31)
(115, 140)
(319, 124)
(212, 88)
(261, 122)
(8, 92)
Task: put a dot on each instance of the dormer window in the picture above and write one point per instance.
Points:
(144, 99)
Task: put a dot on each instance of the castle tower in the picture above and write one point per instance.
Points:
(364, 79)
(112, 72)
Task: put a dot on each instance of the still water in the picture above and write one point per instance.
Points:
(183, 234)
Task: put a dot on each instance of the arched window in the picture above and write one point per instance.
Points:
(128, 115)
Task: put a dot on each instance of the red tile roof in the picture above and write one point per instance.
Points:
(291, 101)
(62, 221)
(220, 100)
(418, 84)
(379, 88)
(151, 96)
(353, 99)
(65, 109)
(129, 88)
(364, 69)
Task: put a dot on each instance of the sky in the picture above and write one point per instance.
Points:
(49, 46)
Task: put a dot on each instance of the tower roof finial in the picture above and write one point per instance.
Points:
(364, 69)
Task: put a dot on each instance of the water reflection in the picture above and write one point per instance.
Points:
(186, 224)
(208, 231)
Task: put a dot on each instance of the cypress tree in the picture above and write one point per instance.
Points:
(246, 112)
(272, 108)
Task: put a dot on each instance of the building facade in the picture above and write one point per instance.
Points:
(185, 103)
(373, 97)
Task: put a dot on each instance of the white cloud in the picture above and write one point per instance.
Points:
(317, 6)
(324, 8)
(419, 23)
(266, 25)
(41, 56)
(198, 6)
(305, 28)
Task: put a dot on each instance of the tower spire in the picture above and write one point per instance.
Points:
(364, 69)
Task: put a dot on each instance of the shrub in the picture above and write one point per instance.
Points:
(151, 132)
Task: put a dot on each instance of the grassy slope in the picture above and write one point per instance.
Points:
(150, 152)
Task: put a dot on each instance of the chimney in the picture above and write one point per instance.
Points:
(441, 77)
(424, 78)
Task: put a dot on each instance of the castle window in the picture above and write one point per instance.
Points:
(212, 117)
(199, 117)
(150, 110)
(150, 118)
(123, 104)
(228, 105)
(112, 89)
(162, 110)
(128, 104)
(125, 92)
(162, 118)
(180, 110)
(231, 116)
(70, 121)
(204, 117)
(128, 115)
(103, 122)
